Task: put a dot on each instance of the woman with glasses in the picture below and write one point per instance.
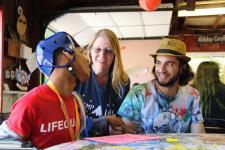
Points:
(107, 86)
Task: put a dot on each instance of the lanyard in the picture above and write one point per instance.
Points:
(73, 135)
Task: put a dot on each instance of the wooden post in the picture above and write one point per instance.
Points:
(1, 55)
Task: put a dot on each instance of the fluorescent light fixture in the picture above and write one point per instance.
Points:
(201, 12)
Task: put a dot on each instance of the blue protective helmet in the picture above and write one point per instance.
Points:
(46, 48)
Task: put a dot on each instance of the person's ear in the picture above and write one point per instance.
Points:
(183, 68)
(68, 55)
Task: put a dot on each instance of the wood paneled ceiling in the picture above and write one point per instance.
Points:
(178, 26)
(67, 4)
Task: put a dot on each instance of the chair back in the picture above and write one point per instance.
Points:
(213, 125)
(3, 117)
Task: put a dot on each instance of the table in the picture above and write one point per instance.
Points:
(183, 141)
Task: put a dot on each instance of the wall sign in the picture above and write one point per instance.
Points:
(211, 38)
(205, 43)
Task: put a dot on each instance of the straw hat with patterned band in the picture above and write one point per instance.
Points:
(172, 47)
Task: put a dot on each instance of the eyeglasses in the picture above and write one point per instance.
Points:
(107, 51)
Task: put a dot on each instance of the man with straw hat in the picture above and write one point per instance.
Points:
(165, 104)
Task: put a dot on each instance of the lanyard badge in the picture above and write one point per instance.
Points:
(73, 134)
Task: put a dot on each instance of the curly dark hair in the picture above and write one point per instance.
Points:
(186, 74)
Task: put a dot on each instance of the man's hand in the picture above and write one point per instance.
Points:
(117, 126)
(197, 128)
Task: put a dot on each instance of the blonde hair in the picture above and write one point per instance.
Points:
(119, 76)
(85, 51)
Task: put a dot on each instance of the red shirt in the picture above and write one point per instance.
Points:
(38, 116)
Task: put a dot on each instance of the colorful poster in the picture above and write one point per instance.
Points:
(123, 138)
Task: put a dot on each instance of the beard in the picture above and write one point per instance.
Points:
(171, 81)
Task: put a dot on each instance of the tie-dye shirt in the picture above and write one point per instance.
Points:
(153, 112)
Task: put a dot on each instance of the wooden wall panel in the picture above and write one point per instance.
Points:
(33, 34)
(1, 55)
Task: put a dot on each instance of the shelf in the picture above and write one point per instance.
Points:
(9, 97)
(13, 92)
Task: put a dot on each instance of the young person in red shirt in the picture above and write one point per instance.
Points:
(50, 114)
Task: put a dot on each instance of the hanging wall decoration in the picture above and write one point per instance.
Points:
(21, 75)
(149, 5)
(21, 25)
(22, 78)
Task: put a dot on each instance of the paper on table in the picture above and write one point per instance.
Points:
(9, 143)
(123, 138)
